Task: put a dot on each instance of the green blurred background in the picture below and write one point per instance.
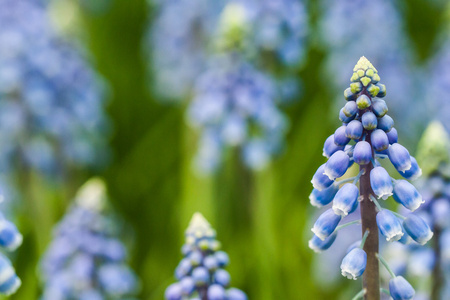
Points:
(261, 218)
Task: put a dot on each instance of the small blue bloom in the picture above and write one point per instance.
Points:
(379, 107)
(385, 123)
(400, 289)
(343, 117)
(10, 237)
(345, 199)
(407, 195)
(392, 136)
(318, 245)
(337, 165)
(222, 258)
(326, 224)
(236, 294)
(340, 136)
(369, 120)
(379, 140)
(330, 147)
(222, 277)
(414, 172)
(417, 229)
(321, 198)
(187, 285)
(399, 157)
(354, 263)
(321, 181)
(350, 109)
(216, 292)
(362, 154)
(200, 275)
(381, 183)
(389, 225)
(9, 282)
(354, 130)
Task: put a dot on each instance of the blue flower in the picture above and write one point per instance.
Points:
(389, 225)
(354, 263)
(417, 229)
(321, 198)
(392, 136)
(330, 147)
(321, 181)
(385, 123)
(407, 195)
(9, 282)
(354, 130)
(379, 140)
(337, 165)
(319, 245)
(345, 199)
(362, 154)
(369, 120)
(201, 250)
(340, 136)
(379, 108)
(381, 182)
(400, 289)
(399, 157)
(414, 172)
(326, 224)
(85, 258)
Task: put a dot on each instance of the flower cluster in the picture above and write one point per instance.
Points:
(10, 240)
(366, 135)
(234, 96)
(201, 274)
(433, 261)
(349, 27)
(51, 101)
(85, 260)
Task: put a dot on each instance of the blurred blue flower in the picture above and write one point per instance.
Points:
(201, 272)
(85, 260)
(51, 100)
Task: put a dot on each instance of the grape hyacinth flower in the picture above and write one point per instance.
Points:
(51, 100)
(10, 240)
(434, 155)
(201, 273)
(364, 140)
(85, 260)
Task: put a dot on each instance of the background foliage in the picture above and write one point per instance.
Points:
(262, 218)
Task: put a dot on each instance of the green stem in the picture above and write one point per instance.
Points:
(375, 201)
(360, 294)
(348, 224)
(398, 215)
(363, 241)
(386, 265)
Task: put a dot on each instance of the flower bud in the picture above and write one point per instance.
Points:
(379, 140)
(321, 198)
(200, 275)
(222, 277)
(382, 91)
(389, 225)
(340, 137)
(369, 120)
(329, 147)
(414, 172)
(379, 107)
(345, 199)
(9, 282)
(343, 118)
(216, 292)
(407, 195)
(10, 238)
(317, 245)
(350, 109)
(381, 183)
(337, 165)
(385, 123)
(363, 102)
(400, 289)
(236, 294)
(354, 263)
(187, 285)
(362, 154)
(222, 258)
(417, 229)
(354, 130)
(349, 95)
(173, 292)
(392, 136)
(321, 181)
(399, 157)
(326, 224)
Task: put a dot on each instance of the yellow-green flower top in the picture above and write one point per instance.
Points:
(200, 233)
(366, 76)
(434, 147)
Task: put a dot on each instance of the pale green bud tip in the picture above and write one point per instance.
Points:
(365, 72)
(433, 149)
(92, 194)
(199, 228)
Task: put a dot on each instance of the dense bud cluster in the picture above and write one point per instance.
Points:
(51, 100)
(201, 274)
(85, 260)
(366, 135)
